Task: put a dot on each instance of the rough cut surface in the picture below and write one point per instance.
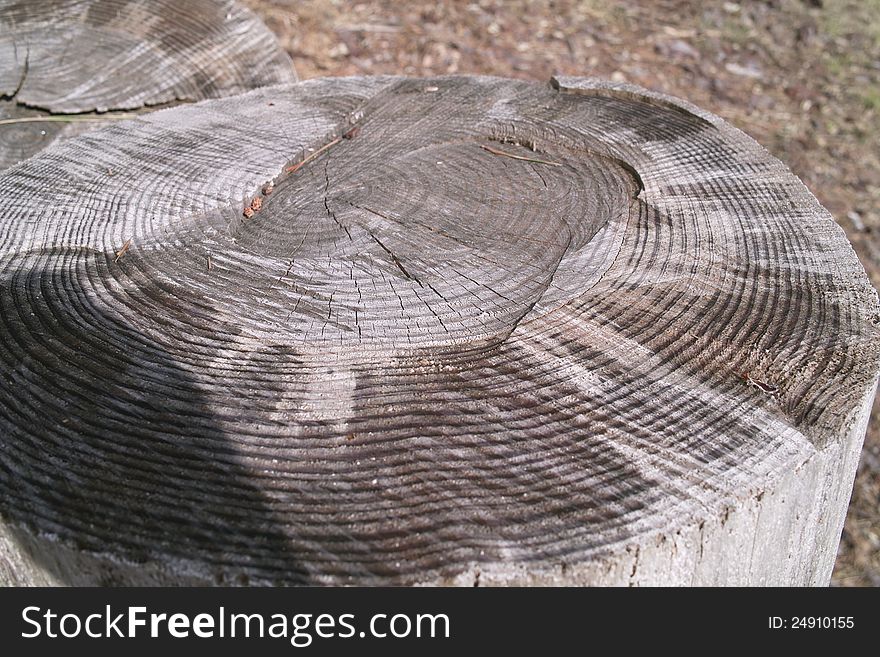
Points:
(77, 56)
(451, 330)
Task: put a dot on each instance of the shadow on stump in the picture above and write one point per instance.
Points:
(108, 445)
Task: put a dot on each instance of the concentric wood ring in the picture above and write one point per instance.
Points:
(386, 330)
(85, 56)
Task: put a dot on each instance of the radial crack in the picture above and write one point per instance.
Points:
(327, 202)
(24, 72)
(395, 259)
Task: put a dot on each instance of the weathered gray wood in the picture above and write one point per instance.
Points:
(640, 353)
(79, 56)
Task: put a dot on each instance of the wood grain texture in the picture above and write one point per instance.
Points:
(86, 56)
(639, 351)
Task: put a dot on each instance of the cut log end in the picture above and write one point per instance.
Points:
(72, 58)
(384, 330)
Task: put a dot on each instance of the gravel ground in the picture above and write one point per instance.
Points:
(801, 76)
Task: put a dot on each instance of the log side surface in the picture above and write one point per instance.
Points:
(403, 331)
(75, 57)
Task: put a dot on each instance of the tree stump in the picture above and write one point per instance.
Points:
(407, 331)
(75, 57)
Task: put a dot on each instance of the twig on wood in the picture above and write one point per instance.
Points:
(769, 388)
(125, 247)
(519, 157)
(311, 157)
(65, 119)
(253, 208)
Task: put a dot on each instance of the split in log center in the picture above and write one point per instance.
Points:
(407, 237)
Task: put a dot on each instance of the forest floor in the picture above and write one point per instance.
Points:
(801, 76)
